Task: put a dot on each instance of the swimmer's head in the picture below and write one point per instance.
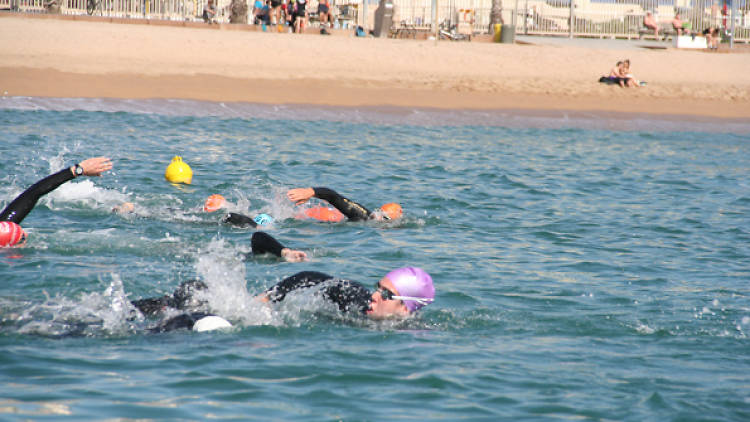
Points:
(263, 219)
(178, 171)
(11, 234)
(414, 287)
(124, 208)
(391, 211)
(214, 202)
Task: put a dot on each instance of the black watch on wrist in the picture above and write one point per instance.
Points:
(78, 170)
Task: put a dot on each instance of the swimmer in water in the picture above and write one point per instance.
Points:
(183, 298)
(213, 203)
(352, 210)
(399, 294)
(11, 233)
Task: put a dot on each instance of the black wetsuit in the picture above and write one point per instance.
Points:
(349, 296)
(183, 299)
(17, 210)
(352, 210)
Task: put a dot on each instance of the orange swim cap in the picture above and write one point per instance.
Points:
(214, 202)
(392, 210)
(10, 233)
(331, 215)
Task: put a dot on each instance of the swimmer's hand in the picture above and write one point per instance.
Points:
(95, 166)
(291, 255)
(263, 298)
(300, 195)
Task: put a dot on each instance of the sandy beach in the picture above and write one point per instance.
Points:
(61, 57)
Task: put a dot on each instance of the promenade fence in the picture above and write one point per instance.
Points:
(602, 18)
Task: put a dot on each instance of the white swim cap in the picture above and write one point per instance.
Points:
(210, 323)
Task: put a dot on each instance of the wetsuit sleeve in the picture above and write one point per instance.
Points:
(352, 210)
(350, 296)
(239, 220)
(17, 210)
(183, 298)
(262, 242)
(152, 305)
(301, 280)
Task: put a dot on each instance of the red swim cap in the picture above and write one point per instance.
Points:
(392, 210)
(214, 202)
(331, 215)
(10, 233)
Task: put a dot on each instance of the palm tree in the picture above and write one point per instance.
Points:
(496, 14)
(239, 12)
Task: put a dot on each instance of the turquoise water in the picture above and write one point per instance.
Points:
(582, 272)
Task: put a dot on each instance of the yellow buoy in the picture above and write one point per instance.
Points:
(178, 171)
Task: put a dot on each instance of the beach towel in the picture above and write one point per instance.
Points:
(609, 81)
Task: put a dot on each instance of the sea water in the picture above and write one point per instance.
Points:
(586, 267)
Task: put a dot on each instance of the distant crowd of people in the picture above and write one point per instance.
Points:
(293, 14)
(685, 27)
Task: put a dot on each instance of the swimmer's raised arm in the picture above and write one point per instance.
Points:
(20, 207)
(262, 242)
(352, 210)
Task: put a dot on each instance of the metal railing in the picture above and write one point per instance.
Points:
(590, 18)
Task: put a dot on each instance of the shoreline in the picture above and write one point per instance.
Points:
(155, 62)
(390, 115)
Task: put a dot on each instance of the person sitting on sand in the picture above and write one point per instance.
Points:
(682, 27)
(630, 80)
(616, 76)
(11, 233)
(352, 210)
(649, 21)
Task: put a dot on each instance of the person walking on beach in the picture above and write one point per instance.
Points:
(300, 16)
(11, 233)
(352, 210)
(325, 16)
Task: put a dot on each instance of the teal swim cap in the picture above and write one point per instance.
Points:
(263, 219)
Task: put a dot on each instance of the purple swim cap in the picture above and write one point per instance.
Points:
(414, 283)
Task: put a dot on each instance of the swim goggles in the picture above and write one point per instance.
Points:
(380, 213)
(389, 295)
